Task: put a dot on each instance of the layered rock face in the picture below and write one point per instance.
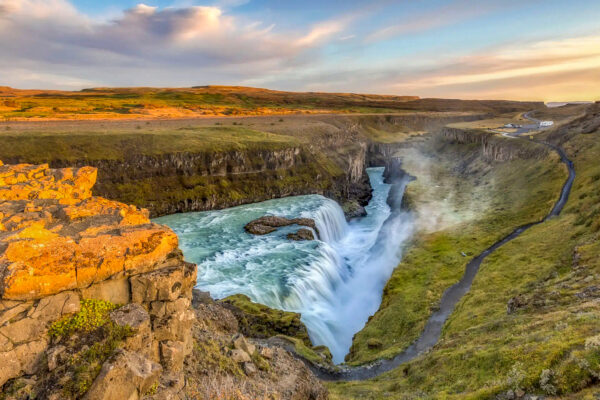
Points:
(95, 303)
(60, 245)
(493, 148)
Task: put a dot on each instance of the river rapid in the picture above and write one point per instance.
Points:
(335, 282)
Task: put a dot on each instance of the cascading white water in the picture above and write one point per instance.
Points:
(335, 282)
(330, 221)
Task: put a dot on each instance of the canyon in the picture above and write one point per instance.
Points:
(78, 269)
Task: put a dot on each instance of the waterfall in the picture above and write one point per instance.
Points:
(330, 221)
(335, 282)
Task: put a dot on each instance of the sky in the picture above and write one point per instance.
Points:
(545, 50)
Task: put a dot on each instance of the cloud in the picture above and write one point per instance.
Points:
(503, 69)
(320, 32)
(50, 44)
(45, 34)
(455, 12)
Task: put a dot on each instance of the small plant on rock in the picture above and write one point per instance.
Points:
(93, 314)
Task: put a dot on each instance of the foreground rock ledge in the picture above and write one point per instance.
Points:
(60, 245)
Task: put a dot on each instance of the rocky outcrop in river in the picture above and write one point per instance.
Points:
(270, 223)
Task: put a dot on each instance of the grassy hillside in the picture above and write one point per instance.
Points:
(548, 341)
(152, 103)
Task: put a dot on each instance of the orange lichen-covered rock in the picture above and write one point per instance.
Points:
(55, 236)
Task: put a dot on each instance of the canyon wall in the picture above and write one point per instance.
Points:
(494, 147)
(325, 155)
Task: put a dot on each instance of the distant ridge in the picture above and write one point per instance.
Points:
(216, 100)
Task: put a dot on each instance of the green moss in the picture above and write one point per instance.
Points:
(260, 361)
(318, 355)
(259, 321)
(86, 365)
(89, 338)
(92, 315)
(211, 357)
(152, 390)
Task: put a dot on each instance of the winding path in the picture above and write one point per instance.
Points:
(433, 328)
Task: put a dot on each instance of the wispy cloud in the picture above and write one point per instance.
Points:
(540, 61)
(424, 21)
(456, 11)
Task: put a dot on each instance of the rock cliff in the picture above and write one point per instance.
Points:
(95, 303)
(493, 147)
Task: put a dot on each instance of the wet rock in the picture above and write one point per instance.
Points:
(352, 209)
(270, 223)
(302, 234)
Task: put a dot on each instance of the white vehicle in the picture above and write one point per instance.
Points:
(546, 123)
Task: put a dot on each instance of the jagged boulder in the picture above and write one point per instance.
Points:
(241, 343)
